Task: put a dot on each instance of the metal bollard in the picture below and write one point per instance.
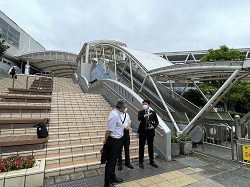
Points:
(238, 133)
(248, 130)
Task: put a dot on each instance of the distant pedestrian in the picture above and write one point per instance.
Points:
(113, 142)
(148, 122)
(13, 72)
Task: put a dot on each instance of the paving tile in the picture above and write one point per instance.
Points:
(145, 182)
(168, 176)
(157, 179)
(198, 177)
(192, 162)
(188, 170)
(183, 181)
(210, 182)
(166, 184)
(197, 184)
(132, 184)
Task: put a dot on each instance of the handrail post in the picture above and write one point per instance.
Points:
(203, 137)
(27, 78)
(39, 83)
(238, 132)
(232, 143)
(13, 81)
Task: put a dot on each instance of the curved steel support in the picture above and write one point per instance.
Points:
(210, 103)
(165, 105)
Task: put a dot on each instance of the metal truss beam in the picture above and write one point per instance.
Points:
(210, 104)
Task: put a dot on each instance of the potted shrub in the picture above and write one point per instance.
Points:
(175, 146)
(186, 146)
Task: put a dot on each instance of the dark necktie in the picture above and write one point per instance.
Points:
(147, 119)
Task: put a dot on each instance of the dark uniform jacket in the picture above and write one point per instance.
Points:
(152, 118)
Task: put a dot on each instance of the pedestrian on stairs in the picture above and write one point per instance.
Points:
(148, 122)
(113, 142)
(13, 72)
(126, 121)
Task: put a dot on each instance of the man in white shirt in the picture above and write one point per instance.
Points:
(113, 142)
(126, 121)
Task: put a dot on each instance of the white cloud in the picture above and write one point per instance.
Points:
(152, 25)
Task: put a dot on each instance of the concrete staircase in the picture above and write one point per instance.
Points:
(76, 128)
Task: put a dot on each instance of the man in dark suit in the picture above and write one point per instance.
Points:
(148, 122)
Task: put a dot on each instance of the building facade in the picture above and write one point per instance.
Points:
(18, 40)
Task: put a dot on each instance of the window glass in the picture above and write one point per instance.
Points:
(8, 33)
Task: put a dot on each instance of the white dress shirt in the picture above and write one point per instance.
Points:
(127, 120)
(114, 124)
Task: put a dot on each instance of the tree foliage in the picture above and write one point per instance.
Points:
(223, 53)
(238, 99)
(3, 46)
(195, 97)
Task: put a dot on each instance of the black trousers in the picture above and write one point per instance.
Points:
(126, 143)
(114, 148)
(146, 135)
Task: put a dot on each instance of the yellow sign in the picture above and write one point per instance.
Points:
(246, 154)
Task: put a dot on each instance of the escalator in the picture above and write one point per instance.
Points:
(175, 102)
(181, 109)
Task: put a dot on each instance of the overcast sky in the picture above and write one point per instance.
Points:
(150, 25)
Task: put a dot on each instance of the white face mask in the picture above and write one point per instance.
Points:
(125, 110)
(145, 107)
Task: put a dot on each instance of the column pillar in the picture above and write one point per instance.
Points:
(81, 65)
(27, 68)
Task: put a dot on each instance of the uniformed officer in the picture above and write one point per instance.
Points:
(113, 141)
(148, 122)
(126, 121)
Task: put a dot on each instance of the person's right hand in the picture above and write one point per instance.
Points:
(127, 127)
(145, 115)
(104, 141)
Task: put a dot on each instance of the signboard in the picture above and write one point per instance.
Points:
(246, 154)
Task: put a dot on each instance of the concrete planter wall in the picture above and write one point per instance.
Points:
(32, 177)
(175, 149)
(186, 147)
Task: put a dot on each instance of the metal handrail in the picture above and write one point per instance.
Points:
(27, 79)
(227, 127)
(157, 108)
(135, 111)
(113, 90)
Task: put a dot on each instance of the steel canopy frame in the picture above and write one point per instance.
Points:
(205, 71)
(132, 58)
(51, 60)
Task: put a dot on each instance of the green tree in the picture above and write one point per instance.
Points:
(3, 46)
(238, 99)
(195, 97)
(240, 95)
(223, 53)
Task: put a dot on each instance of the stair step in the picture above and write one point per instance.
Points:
(81, 165)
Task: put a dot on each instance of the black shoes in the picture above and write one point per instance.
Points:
(120, 167)
(109, 185)
(152, 163)
(141, 165)
(117, 180)
(129, 165)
